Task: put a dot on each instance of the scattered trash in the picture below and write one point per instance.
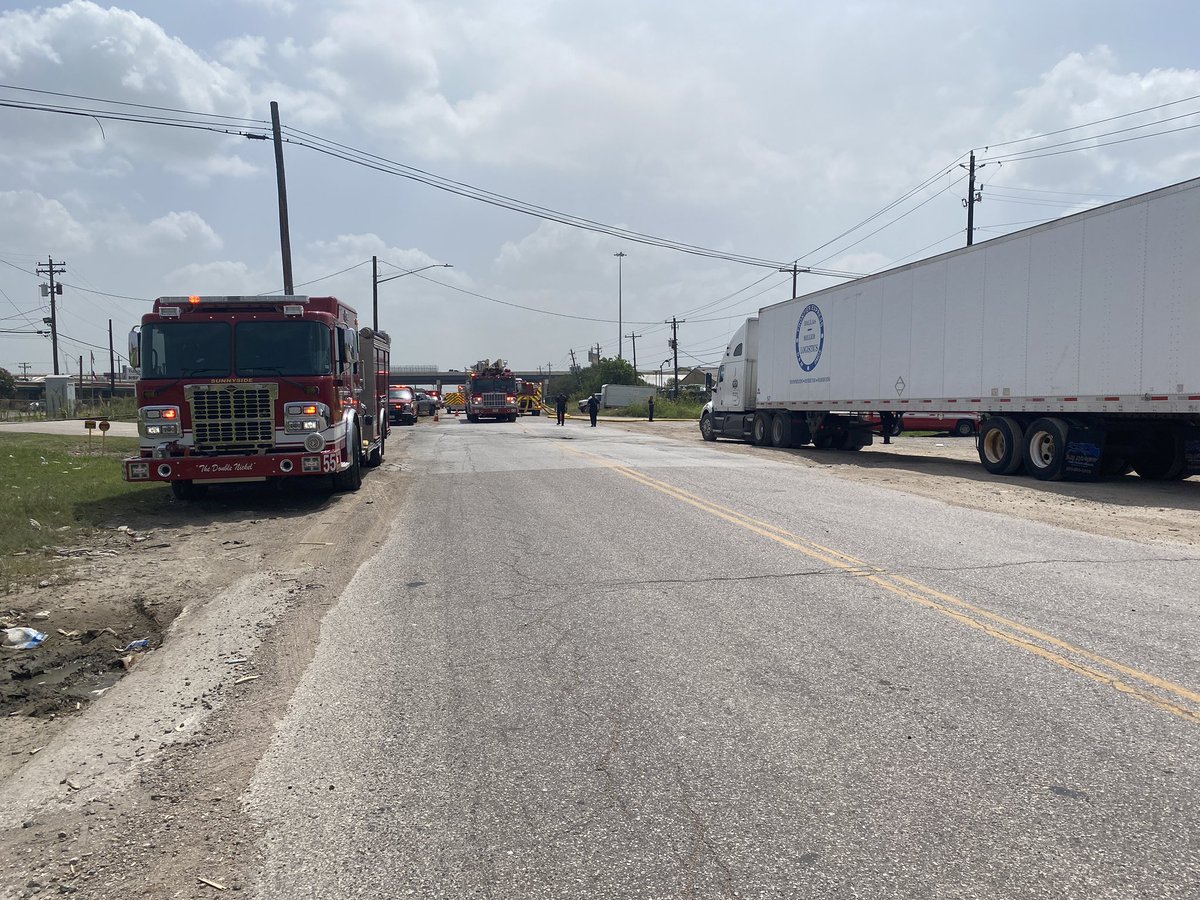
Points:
(22, 638)
(215, 885)
(44, 614)
(126, 662)
(70, 783)
(34, 523)
(143, 644)
(246, 678)
(36, 750)
(235, 661)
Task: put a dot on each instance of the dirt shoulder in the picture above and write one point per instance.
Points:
(122, 770)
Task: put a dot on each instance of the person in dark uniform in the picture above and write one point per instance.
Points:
(560, 407)
(887, 425)
(593, 409)
(650, 407)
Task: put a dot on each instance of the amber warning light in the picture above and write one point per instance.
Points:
(193, 300)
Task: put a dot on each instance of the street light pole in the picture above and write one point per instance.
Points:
(620, 330)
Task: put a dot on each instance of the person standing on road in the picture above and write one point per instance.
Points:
(887, 425)
(593, 409)
(650, 407)
(560, 407)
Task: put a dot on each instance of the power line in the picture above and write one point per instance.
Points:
(1138, 112)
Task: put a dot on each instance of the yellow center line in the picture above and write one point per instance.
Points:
(1032, 640)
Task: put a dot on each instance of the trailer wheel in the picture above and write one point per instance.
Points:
(351, 479)
(188, 490)
(760, 431)
(1046, 449)
(964, 428)
(781, 430)
(1000, 448)
(706, 427)
(1164, 459)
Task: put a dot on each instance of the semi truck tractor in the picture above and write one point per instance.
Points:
(239, 389)
(1077, 340)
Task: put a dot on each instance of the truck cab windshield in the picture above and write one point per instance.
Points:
(185, 349)
(282, 348)
(491, 385)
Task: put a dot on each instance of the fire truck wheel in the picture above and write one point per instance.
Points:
(351, 479)
(188, 490)
(376, 456)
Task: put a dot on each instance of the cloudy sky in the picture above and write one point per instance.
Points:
(756, 134)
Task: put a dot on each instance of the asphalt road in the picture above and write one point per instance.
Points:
(592, 664)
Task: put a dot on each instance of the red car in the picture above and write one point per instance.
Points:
(959, 424)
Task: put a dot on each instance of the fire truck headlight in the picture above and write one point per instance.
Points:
(305, 418)
(165, 419)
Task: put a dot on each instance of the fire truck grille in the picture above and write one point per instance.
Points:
(237, 418)
(495, 399)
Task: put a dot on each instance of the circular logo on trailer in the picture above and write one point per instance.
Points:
(810, 337)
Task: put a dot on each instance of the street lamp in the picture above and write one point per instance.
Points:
(660, 368)
(620, 329)
(376, 281)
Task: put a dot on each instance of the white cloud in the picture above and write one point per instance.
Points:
(245, 52)
(176, 229)
(31, 220)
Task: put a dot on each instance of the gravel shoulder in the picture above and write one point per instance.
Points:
(137, 792)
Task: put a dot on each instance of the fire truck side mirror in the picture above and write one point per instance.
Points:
(135, 352)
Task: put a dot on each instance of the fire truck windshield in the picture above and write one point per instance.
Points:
(202, 349)
(490, 385)
(282, 348)
(183, 349)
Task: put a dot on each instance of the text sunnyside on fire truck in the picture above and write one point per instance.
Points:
(491, 392)
(252, 389)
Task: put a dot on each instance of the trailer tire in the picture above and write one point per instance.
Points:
(188, 490)
(1046, 449)
(1164, 460)
(964, 428)
(351, 478)
(1000, 445)
(706, 427)
(781, 430)
(760, 430)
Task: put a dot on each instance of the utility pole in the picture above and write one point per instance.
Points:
(674, 345)
(24, 369)
(620, 335)
(375, 293)
(973, 197)
(574, 366)
(633, 337)
(50, 270)
(112, 364)
(285, 238)
(795, 270)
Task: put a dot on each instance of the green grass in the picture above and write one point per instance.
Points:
(68, 488)
(666, 408)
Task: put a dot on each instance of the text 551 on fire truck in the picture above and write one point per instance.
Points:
(246, 389)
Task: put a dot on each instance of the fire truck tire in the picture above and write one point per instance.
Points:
(376, 456)
(188, 490)
(351, 479)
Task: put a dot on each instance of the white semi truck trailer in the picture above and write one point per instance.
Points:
(1078, 340)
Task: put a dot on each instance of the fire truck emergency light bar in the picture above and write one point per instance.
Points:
(266, 298)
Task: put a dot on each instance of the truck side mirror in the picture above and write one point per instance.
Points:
(135, 350)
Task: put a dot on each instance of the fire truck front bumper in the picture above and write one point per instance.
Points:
(215, 469)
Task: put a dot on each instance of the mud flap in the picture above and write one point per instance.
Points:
(1084, 453)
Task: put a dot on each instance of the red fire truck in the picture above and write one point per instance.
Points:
(491, 392)
(252, 389)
